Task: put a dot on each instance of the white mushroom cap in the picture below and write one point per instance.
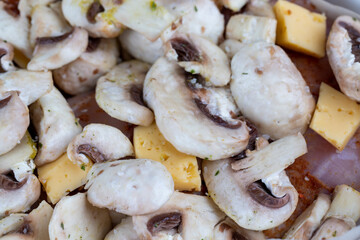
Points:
(112, 185)
(229, 230)
(198, 55)
(18, 196)
(75, 218)
(181, 121)
(198, 17)
(56, 51)
(14, 121)
(46, 22)
(124, 231)
(14, 28)
(306, 224)
(55, 124)
(235, 188)
(270, 91)
(140, 47)
(332, 227)
(344, 58)
(30, 85)
(82, 74)
(184, 216)
(94, 16)
(99, 143)
(119, 93)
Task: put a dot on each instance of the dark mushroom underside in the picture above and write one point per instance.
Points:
(93, 44)
(234, 235)
(52, 40)
(136, 94)
(92, 152)
(3, 52)
(8, 184)
(185, 50)
(11, 7)
(259, 192)
(164, 222)
(93, 10)
(354, 35)
(4, 102)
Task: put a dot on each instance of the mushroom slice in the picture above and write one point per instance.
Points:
(94, 16)
(342, 49)
(75, 218)
(184, 113)
(229, 230)
(270, 91)
(231, 47)
(18, 196)
(81, 75)
(14, 121)
(47, 21)
(125, 231)
(184, 216)
(99, 143)
(198, 55)
(56, 51)
(11, 223)
(112, 185)
(6, 57)
(261, 8)
(119, 93)
(255, 191)
(306, 224)
(343, 214)
(234, 5)
(197, 17)
(15, 26)
(55, 124)
(30, 85)
(140, 47)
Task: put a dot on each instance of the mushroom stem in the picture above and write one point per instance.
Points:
(273, 158)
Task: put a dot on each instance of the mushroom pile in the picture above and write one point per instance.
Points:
(220, 91)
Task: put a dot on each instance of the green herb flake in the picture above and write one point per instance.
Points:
(334, 234)
(206, 158)
(83, 167)
(153, 6)
(40, 145)
(217, 172)
(69, 236)
(354, 18)
(49, 110)
(195, 8)
(62, 225)
(156, 225)
(244, 73)
(192, 71)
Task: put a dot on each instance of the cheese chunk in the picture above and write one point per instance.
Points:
(336, 117)
(61, 177)
(299, 29)
(150, 143)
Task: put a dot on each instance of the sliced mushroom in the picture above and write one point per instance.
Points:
(306, 224)
(94, 16)
(14, 121)
(30, 85)
(112, 185)
(55, 124)
(56, 51)
(18, 196)
(343, 214)
(15, 26)
(140, 47)
(11, 223)
(255, 192)
(81, 75)
(6, 57)
(125, 231)
(270, 91)
(46, 21)
(75, 218)
(119, 93)
(231, 47)
(197, 17)
(229, 230)
(234, 5)
(260, 8)
(184, 216)
(99, 143)
(184, 113)
(199, 56)
(342, 49)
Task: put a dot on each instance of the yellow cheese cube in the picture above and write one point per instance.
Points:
(61, 177)
(299, 29)
(150, 143)
(336, 117)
